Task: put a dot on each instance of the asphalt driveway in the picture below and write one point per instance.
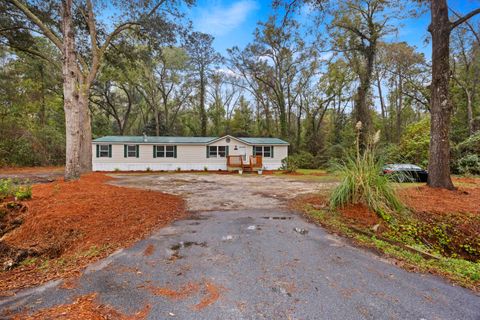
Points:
(265, 263)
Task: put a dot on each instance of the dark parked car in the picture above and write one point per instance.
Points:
(405, 172)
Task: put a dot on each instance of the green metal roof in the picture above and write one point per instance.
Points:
(263, 140)
(155, 139)
(184, 140)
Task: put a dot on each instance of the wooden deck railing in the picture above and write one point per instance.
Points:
(234, 162)
(254, 163)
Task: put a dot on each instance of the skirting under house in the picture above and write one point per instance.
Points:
(141, 153)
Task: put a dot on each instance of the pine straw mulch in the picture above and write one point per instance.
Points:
(356, 214)
(441, 201)
(71, 224)
(447, 220)
(84, 307)
(209, 291)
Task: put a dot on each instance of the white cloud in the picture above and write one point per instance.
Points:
(219, 20)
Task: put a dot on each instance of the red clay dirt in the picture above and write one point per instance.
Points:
(78, 222)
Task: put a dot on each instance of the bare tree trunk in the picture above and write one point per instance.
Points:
(362, 111)
(382, 107)
(157, 122)
(85, 132)
(71, 95)
(299, 127)
(441, 107)
(469, 112)
(203, 111)
(399, 107)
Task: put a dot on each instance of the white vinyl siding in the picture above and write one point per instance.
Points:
(188, 157)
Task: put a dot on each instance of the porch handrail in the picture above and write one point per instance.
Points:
(234, 161)
(256, 162)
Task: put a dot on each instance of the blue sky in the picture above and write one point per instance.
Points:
(232, 22)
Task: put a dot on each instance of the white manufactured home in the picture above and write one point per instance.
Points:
(140, 153)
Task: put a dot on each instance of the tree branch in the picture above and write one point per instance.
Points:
(48, 33)
(461, 20)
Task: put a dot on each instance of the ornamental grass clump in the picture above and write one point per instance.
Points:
(362, 181)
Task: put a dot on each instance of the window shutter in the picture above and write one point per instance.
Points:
(154, 151)
(124, 150)
(226, 150)
(174, 151)
(109, 150)
(98, 151)
(138, 149)
(271, 151)
(207, 152)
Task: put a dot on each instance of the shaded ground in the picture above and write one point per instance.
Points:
(253, 264)
(205, 192)
(70, 224)
(32, 174)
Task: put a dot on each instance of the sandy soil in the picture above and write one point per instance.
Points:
(207, 192)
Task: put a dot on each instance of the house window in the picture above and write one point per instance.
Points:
(103, 151)
(264, 151)
(267, 152)
(169, 151)
(131, 151)
(165, 152)
(160, 151)
(217, 151)
(222, 151)
(212, 151)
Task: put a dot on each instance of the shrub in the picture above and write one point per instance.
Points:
(363, 183)
(9, 189)
(415, 142)
(23, 192)
(289, 164)
(471, 145)
(306, 160)
(303, 160)
(469, 164)
(6, 188)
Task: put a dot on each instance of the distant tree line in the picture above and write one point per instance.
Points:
(66, 77)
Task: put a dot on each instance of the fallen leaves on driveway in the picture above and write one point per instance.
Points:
(84, 307)
(210, 293)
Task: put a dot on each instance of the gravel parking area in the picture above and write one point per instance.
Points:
(209, 192)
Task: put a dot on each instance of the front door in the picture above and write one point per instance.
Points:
(242, 151)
